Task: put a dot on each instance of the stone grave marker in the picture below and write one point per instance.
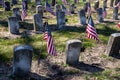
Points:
(60, 19)
(113, 46)
(38, 2)
(100, 14)
(58, 7)
(116, 2)
(105, 3)
(22, 60)
(96, 4)
(38, 22)
(115, 13)
(72, 8)
(76, 1)
(16, 13)
(111, 3)
(73, 48)
(13, 25)
(14, 2)
(53, 2)
(39, 10)
(85, 7)
(7, 6)
(27, 1)
(82, 16)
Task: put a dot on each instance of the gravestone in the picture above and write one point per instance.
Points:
(76, 1)
(105, 3)
(13, 25)
(38, 2)
(82, 16)
(85, 7)
(116, 2)
(14, 2)
(100, 14)
(73, 48)
(25, 4)
(96, 5)
(16, 13)
(7, 6)
(28, 1)
(111, 3)
(53, 2)
(115, 13)
(58, 7)
(72, 8)
(38, 23)
(39, 10)
(22, 60)
(60, 19)
(113, 46)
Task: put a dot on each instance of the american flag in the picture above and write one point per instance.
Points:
(119, 24)
(48, 8)
(64, 2)
(92, 34)
(65, 10)
(89, 11)
(118, 4)
(104, 12)
(24, 11)
(50, 43)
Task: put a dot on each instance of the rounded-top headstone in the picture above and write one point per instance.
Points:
(22, 60)
(73, 48)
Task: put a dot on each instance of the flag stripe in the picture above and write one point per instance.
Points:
(24, 12)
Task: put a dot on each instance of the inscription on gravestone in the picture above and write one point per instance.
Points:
(82, 16)
(113, 47)
(16, 13)
(73, 48)
(22, 60)
(13, 25)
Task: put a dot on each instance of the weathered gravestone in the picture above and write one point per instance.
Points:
(100, 14)
(22, 60)
(113, 47)
(53, 2)
(115, 13)
(73, 48)
(105, 3)
(16, 13)
(111, 3)
(7, 6)
(38, 2)
(14, 2)
(96, 4)
(82, 16)
(39, 10)
(38, 23)
(13, 25)
(72, 8)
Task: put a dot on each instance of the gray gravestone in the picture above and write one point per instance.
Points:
(113, 47)
(73, 48)
(105, 3)
(115, 13)
(38, 23)
(13, 25)
(111, 3)
(38, 2)
(14, 2)
(60, 19)
(58, 7)
(72, 8)
(22, 60)
(7, 6)
(16, 13)
(96, 5)
(82, 16)
(39, 10)
(53, 2)
(100, 14)
(86, 4)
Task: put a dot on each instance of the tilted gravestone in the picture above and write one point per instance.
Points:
(96, 5)
(60, 19)
(7, 6)
(16, 13)
(22, 60)
(115, 13)
(82, 16)
(14, 2)
(38, 2)
(100, 14)
(111, 3)
(113, 47)
(105, 3)
(72, 8)
(38, 22)
(13, 25)
(39, 10)
(73, 48)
